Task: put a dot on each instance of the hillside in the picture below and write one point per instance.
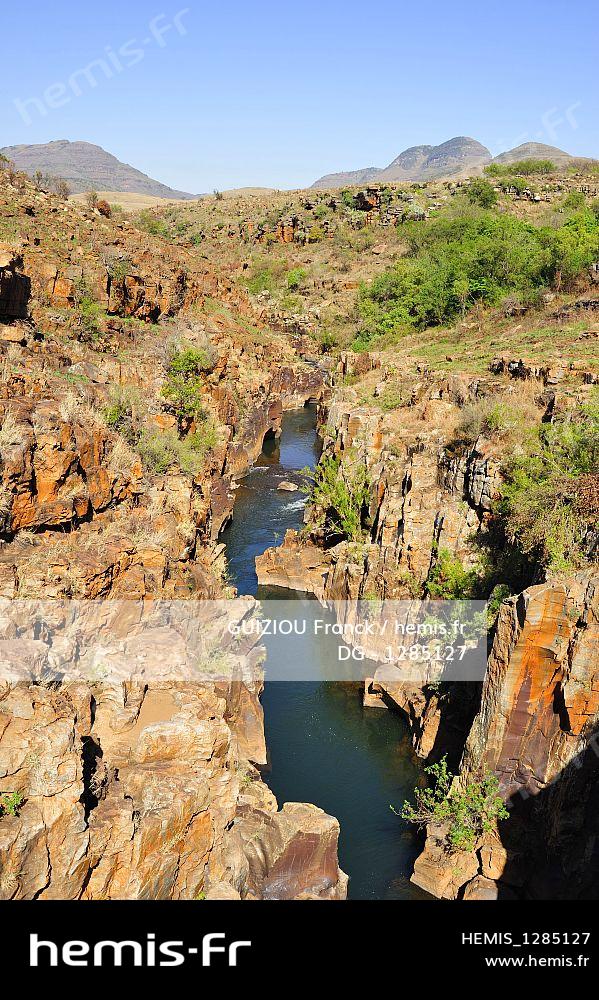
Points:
(87, 167)
(535, 151)
(304, 254)
(418, 163)
(129, 201)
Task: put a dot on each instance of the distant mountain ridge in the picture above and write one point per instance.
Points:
(458, 156)
(87, 167)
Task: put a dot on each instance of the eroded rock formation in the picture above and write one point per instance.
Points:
(144, 788)
(537, 731)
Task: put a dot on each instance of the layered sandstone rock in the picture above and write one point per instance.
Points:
(131, 788)
(56, 466)
(294, 565)
(541, 693)
(422, 497)
(145, 789)
(536, 730)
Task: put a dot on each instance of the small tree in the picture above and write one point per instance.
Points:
(466, 812)
(342, 494)
(481, 192)
(62, 188)
(183, 387)
(91, 200)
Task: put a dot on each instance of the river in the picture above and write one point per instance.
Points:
(324, 747)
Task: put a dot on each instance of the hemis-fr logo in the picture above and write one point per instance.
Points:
(213, 950)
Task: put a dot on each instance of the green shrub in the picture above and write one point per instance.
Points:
(528, 168)
(90, 315)
(551, 485)
(327, 340)
(574, 200)
(514, 183)
(191, 361)
(10, 803)
(457, 260)
(499, 594)
(342, 494)
(161, 450)
(152, 224)
(118, 268)
(480, 192)
(467, 812)
(184, 395)
(262, 280)
(183, 387)
(316, 234)
(124, 411)
(449, 580)
(296, 278)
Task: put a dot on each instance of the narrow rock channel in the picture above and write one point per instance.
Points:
(324, 747)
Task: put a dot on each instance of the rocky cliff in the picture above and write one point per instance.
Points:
(537, 731)
(150, 791)
(144, 785)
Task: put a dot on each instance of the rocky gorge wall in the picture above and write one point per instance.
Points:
(145, 785)
(534, 724)
(138, 790)
(145, 788)
(536, 730)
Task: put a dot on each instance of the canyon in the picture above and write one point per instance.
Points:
(141, 382)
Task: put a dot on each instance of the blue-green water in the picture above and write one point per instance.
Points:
(324, 746)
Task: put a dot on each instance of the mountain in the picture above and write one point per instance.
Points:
(535, 151)
(87, 168)
(418, 163)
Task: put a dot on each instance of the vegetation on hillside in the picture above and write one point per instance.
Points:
(522, 168)
(550, 499)
(10, 803)
(469, 255)
(184, 386)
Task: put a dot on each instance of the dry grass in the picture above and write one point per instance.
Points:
(139, 529)
(128, 200)
(122, 459)
(76, 409)
(505, 416)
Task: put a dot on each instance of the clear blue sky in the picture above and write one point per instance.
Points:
(264, 93)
